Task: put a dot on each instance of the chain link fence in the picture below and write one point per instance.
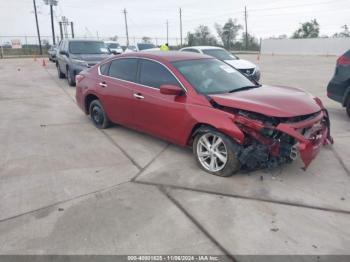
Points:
(22, 46)
(14, 46)
(28, 46)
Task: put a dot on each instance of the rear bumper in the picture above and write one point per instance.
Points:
(318, 134)
(336, 90)
(79, 97)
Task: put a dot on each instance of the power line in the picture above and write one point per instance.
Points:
(290, 6)
(261, 9)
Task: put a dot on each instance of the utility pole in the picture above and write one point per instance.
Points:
(61, 30)
(72, 29)
(52, 3)
(246, 28)
(167, 31)
(52, 26)
(126, 28)
(37, 28)
(180, 27)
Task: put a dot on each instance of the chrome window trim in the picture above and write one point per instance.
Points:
(145, 58)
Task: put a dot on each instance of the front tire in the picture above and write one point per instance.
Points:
(214, 153)
(70, 77)
(98, 115)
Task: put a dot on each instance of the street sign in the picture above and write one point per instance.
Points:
(16, 44)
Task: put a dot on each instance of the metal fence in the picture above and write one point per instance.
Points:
(23, 46)
(15, 46)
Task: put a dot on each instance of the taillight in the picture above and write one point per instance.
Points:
(343, 60)
(78, 78)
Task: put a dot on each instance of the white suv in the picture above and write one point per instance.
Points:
(242, 65)
(141, 47)
(114, 47)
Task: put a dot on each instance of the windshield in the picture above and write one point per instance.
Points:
(220, 54)
(87, 47)
(211, 76)
(113, 45)
(145, 46)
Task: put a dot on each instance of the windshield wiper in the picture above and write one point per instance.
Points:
(244, 88)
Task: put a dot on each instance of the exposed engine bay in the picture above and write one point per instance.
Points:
(272, 141)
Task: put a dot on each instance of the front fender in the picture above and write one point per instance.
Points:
(220, 120)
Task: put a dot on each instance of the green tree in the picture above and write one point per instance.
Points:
(228, 32)
(253, 42)
(309, 29)
(201, 36)
(344, 33)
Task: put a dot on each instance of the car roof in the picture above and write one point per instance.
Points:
(83, 40)
(201, 47)
(169, 56)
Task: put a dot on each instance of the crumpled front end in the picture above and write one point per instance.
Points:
(272, 141)
(310, 135)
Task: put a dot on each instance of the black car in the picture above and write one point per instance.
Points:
(74, 56)
(339, 87)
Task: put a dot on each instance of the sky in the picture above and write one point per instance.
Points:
(148, 17)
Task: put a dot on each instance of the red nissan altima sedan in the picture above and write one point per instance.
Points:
(196, 100)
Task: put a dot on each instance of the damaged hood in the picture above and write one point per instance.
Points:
(271, 101)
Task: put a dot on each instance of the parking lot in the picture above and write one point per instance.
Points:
(69, 188)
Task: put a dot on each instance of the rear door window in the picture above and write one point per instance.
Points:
(124, 69)
(154, 75)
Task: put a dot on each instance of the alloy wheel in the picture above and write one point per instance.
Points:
(97, 115)
(212, 152)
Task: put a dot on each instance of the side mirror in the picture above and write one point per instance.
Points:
(62, 52)
(171, 90)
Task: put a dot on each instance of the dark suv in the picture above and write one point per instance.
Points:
(339, 87)
(74, 56)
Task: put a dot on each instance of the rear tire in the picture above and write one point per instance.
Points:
(98, 115)
(214, 152)
(59, 72)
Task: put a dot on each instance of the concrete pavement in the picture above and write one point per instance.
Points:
(68, 188)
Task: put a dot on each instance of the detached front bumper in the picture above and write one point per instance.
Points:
(310, 135)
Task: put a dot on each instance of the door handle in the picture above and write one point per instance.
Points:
(103, 84)
(139, 96)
